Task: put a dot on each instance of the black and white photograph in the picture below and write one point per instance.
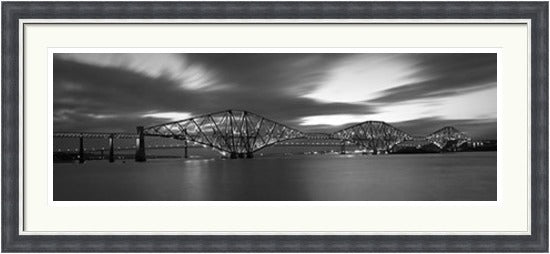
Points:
(274, 126)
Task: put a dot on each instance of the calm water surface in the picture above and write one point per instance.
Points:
(451, 176)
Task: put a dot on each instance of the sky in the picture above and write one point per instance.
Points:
(313, 92)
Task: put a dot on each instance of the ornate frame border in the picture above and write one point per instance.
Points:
(536, 12)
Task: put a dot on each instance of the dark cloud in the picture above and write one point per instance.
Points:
(292, 74)
(88, 88)
(122, 97)
(445, 75)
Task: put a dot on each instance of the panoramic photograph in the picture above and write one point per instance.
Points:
(274, 127)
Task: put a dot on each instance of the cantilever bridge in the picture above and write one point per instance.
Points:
(373, 135)
(239, 133)
(233, 131)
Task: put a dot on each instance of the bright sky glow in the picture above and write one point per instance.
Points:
(173, 116)
(100, 116)
(480, 104)
(359, 79)
(477, 104)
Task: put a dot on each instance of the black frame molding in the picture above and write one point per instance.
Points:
(536, 12)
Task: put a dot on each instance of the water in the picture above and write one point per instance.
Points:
(406, 177)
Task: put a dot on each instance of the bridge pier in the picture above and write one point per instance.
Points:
(140, 152)
(249, 155)
(111, 148)
(81, 150)
(233, 155)
(185, 146)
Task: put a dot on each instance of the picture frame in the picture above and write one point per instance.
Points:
(14, 14)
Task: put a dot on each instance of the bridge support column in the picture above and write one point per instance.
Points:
(233, 155)
(111, 148)
(186, 152)
(140, 145)
(249, 155)
(343, 148)
(81, 150)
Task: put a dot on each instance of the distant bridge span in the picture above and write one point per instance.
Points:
(448, 136)
(373, 135)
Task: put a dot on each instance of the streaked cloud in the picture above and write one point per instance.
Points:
(173, 116)
(167, 66)
(360, 77)
(100, 116)
(441, 75)
(316, 92)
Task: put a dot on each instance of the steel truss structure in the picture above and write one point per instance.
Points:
(241, 133)
(231, 131)
(373, 135)
(94, 135)
(448, 135)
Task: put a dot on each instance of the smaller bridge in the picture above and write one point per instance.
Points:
(448, 138)
(373, 135)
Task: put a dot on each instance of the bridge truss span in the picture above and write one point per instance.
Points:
(94, 135)
(373, 135)
(447, 136)
(235, 132)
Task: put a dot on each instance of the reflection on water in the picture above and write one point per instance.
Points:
(452, 176)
